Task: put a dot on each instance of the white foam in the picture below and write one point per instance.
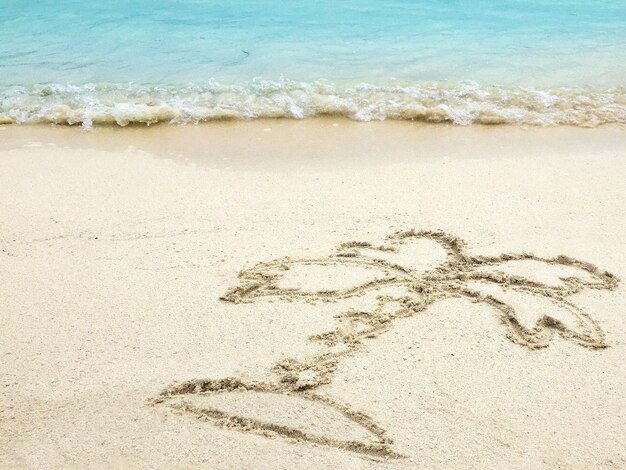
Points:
(462, 104)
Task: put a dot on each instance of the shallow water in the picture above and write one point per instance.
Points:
(531, 62)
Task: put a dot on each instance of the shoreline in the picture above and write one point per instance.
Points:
(442, 102)
(271, 143)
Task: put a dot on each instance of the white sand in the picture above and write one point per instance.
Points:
(114, 260)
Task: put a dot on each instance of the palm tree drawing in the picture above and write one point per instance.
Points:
(402, 289)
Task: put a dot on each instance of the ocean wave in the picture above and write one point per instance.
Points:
(462, 104)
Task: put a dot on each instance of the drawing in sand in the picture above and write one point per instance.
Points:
(403, 287)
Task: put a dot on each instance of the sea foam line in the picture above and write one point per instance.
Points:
(462, 104)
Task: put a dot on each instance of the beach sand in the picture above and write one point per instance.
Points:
(121, 250)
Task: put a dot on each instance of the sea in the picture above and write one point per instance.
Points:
(463, 62)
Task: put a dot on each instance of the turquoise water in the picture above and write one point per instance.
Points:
(522, 62)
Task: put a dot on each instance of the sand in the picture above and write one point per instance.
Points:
(316, 294)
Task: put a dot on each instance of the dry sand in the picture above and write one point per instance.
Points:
(317, 294)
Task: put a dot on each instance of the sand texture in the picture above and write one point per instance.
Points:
(319, 294)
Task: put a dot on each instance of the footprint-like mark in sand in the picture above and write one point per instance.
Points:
(409, 272)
